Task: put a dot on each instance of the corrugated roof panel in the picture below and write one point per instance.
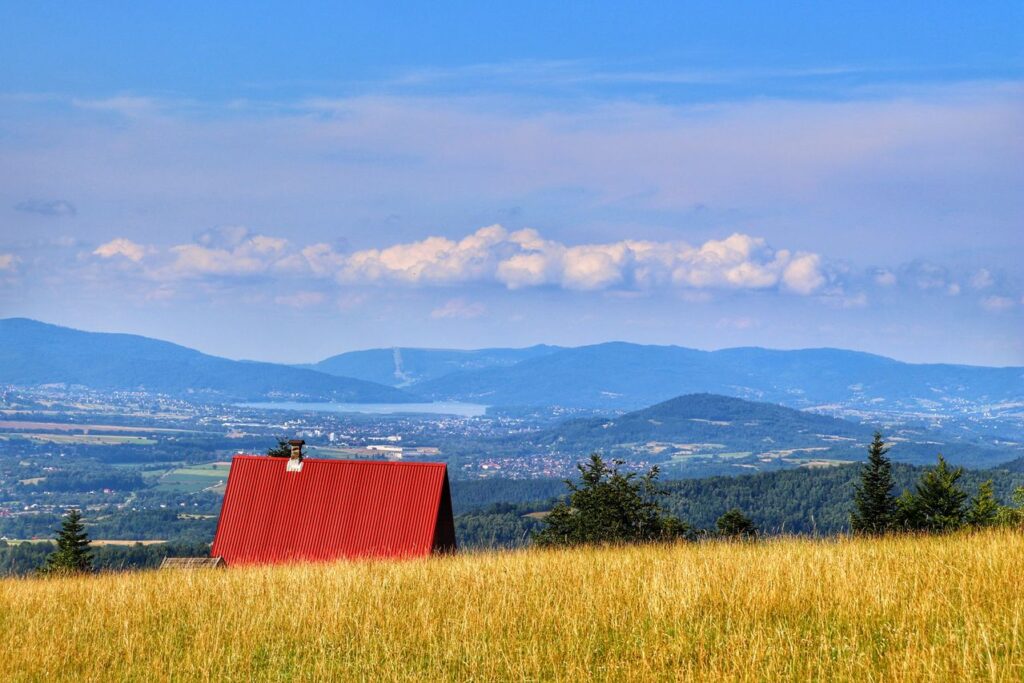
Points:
(332, 509)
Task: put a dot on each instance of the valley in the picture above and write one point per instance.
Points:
(150, 462)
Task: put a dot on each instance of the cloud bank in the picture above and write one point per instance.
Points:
(512, 259)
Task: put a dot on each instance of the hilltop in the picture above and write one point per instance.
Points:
(841, 609)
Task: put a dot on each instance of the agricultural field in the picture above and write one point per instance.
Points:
(211, 476)
(19, 425)
(900, 608)
(80, 439)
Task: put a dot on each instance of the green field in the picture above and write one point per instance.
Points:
(211, 476)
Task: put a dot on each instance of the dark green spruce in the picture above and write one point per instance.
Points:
(984, 509)
(937, 503)
(73, 555)
(874, 505)
(610, 506)
(734, 524)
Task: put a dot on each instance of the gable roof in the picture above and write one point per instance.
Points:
(331, 509)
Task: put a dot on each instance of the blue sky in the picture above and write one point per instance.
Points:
(450, 174)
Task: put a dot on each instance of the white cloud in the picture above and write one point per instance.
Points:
(7, 261)
(458, 308)
(121, 246)
(493, 255)
(249, 255)
(997, 304)
(525, 259)
(982, 279)
(803, 274)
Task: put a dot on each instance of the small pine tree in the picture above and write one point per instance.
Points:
(73, 555)
(734, 524)
(874, 503)
(984, 508)
(281, 450)
(937, 503)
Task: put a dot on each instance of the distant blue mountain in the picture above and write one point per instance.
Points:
(406, 366)
(611, 376)
(35, 353)
(628, 376)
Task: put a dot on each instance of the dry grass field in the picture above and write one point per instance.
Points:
(901, 609)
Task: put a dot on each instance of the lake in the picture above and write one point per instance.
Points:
(438, 408)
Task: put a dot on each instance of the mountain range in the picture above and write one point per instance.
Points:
(619, 375)
(614, 376)
(35, 353)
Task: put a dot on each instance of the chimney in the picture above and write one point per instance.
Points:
(295, 461)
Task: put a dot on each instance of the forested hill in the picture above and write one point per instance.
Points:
(35, 353)
(702, 418)
(700, 435)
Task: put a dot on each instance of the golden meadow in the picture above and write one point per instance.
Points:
(892, 609)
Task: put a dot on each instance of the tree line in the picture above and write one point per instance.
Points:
(937, 503)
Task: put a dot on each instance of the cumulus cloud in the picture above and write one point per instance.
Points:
(513, 259)
(458, 308)
(982, 279)
(523, 259)
(495, 255)
(123, 247)
(192, 259)
(997, 304)
(526, 259)
(47, 207)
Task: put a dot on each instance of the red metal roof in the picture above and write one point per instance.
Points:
(332, 509)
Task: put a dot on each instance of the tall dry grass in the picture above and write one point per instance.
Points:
(899, 609)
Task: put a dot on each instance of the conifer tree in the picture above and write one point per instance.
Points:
(984, 508)
(611, 506)
(734, 524)
(281, 450)
(1013, 515)
(937, 503)
(73, 554)
(874, 503)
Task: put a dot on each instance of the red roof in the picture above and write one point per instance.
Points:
(332, 509)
